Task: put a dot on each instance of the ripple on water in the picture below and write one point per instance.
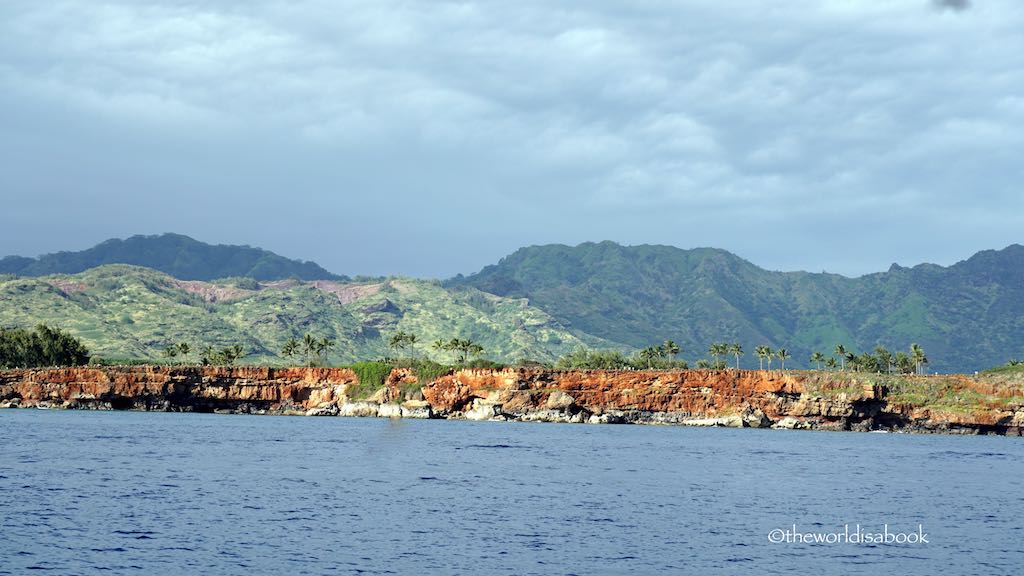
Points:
(171, 494)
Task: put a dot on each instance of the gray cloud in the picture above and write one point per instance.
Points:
(958, 5)
(431, 138)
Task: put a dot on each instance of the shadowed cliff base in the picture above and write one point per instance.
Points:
(986, 404)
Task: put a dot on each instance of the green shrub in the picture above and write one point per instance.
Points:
(371, 376)
(427, 371)
(44, 346)
(484, 363)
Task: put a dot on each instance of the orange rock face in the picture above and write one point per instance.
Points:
(178, 387)
(790, 399)
(694, 392)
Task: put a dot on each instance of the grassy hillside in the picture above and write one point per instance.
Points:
(539, 302)
(967, 316)
(126, 312)
(174, 254)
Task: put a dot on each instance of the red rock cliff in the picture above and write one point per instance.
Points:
(703, 397)
(156, 387)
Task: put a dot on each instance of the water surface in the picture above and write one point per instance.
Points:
(174, 494)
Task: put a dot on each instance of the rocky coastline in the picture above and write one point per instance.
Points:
(726, 398)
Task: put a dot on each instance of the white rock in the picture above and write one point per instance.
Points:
(607, 418)
(323, 411)
(361, 408)
(482, 411)
(756, 419)
(559, 400)
(726, 421)
(790, 423)
(417, 409)
(546, 416)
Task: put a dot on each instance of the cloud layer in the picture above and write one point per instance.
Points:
(429, 138)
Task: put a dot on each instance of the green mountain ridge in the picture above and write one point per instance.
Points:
(128, 312)
(968, 316)
(538, 303)
(174, 254)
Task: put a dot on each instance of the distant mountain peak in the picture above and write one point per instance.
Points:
(180, 256)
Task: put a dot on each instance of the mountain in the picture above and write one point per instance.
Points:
(128, 312)
(538, 303)
(174, 254)
(968, 316)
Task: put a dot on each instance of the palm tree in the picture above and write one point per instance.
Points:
(231, 353)
(290, 348)
(309, 347)
(884, 357)
(440, 345)
(830, 363)
(465, 348)
(411, 339)
(170, 351)
(917, 354)
(736, 350)
(718, 350)
(671, 349)
(207, 354)
(649, 355)
(184, 349)
(841, 352)
(783, 355)
(323, 346)
(818, 358)
(400, 341)
(763, 353)
(904, 364)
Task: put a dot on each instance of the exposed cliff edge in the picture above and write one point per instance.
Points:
(811, 400)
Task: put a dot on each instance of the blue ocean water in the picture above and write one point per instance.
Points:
(155, 493)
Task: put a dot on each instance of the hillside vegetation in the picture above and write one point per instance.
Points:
(541, 302)
(128, 312)
(968, 316)
(174, 254)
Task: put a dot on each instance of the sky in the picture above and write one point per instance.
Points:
(432, 138)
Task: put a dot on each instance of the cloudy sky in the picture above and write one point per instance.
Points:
(429, 138)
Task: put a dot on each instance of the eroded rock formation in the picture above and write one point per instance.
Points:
(734, 398)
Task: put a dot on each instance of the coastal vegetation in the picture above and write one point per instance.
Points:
(1013, 366)
(226, 356)
(312, 348)
(41, 346)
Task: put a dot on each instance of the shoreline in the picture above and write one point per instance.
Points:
(704, 398)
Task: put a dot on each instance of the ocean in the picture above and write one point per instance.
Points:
(177, 494)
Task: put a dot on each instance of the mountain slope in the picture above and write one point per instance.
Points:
(967, 316)
(174, 254)
(127, 312)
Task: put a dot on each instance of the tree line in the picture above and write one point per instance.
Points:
(42, 346)
(663, 356)
(881, 360)
(46, 346)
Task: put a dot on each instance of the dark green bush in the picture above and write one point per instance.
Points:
(44, 346)
(371, 377)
